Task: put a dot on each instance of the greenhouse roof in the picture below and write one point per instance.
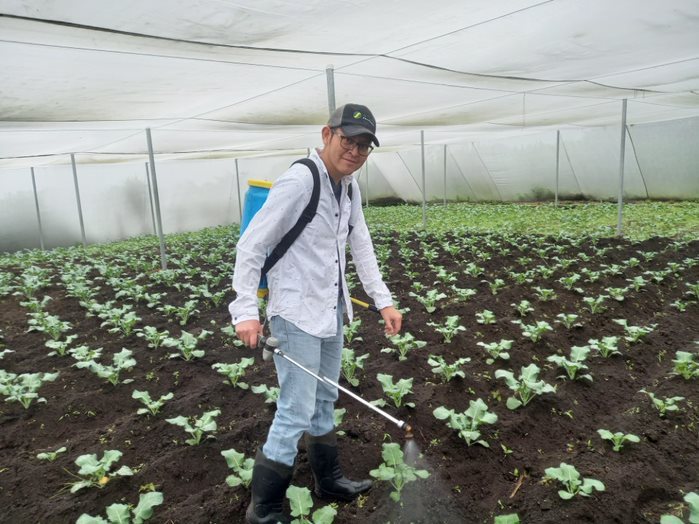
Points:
(223, 78)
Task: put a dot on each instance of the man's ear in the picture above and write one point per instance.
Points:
(326, 133)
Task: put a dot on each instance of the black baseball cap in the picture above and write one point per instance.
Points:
(354, 119)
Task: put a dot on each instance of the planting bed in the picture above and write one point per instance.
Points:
(473, 483)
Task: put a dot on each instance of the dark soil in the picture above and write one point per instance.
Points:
(467, 484)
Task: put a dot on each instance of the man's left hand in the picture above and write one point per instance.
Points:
(393, 320)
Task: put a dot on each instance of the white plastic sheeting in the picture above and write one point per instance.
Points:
(216, 80)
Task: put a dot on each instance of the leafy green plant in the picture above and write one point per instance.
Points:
(569, 320)
(634, 333)
(301, 504)
(618, 438)
(545, 294)
(394, 470)
(351, 364)
(510, 518)
(596, 304)
(241, 466)
(205, 425)
(534, 332)
(404, 344)
(125, 513)
(182, 313)
(121, 361)
(663, 405)
(429, 299)
(23, 388)
(497, 349)
(523, 308)
(692, 500)
(152, 407)
(187, 345)
(271, 394)
(525, 387)
(60, 347)
(449, 329)
(234, 371)
(571, 479)
(51, 456)
(396, 392)
(447, 371)
(485, 317)
(685, 365)
(574, 364)
(50, 325)
(154, 337)
(606, 346)
(467, 423)
(351, 329)
(96, 473)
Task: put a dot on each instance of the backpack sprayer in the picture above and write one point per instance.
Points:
(270, 347)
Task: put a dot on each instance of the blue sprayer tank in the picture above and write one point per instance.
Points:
(254, 198)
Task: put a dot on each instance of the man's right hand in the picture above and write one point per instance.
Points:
(249, 331)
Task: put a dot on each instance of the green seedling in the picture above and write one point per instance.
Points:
(241, 466)
(271, 394)
(152, 407)
(574, 484)
(606, 346)
(485, 317)
(51, 456)
(395, 471)
(467, 423)
(692, 500)
(526, 387)
(574, 364)
(396, 392)
(618, 438)
(663, 405)
(301, 503)
(403, 345)
(569, 320)
(205, 425)
(60, 347)
(95, 473)
(449, 329)
(523, 308)
(534, 332)
(351, 364)
(634, 333)
(154, 337)
(125, 513)
(24, 388)
(234, 371)
(121, 361)
(447, 371)
(686, 365)
(187, 345)
(497, 349)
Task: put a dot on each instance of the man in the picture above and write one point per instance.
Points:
(307, 297)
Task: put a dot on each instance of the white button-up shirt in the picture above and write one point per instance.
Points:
(303, 285)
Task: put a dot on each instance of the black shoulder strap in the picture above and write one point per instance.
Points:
(306, 216)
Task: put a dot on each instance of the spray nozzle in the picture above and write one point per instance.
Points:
(268, 345)
(408, 431)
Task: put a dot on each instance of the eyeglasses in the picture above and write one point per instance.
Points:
(350, 143)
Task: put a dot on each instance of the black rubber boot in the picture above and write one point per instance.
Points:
(270, 481)
(330, 483)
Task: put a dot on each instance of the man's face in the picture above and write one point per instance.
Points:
(339, 160)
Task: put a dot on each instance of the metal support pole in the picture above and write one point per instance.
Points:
(77, 198)
(330, 76)
(237, 183)
(156, 199)
(308, 151)
(558, 157)
(150, 200)
(445, 174)
(620, 200)
(424, 192)
(38, 213)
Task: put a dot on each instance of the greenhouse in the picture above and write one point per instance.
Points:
(533, 208)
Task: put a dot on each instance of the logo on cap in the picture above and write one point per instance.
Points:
(357, 114)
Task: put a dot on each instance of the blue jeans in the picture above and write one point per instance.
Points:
(304, 403)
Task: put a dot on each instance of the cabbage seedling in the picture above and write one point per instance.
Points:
(121, 361)
(534, 332)
(526, 387)
(634, 333)
(618, 438)
(569, 320)
(396, 392)
(51, 456)
(685, 365)
(60, 347)
(692, 500)
(23, 388)
(124, 514)
(467, 423)
(449, 329)
(152, 406)
(203, 425)
(447, 371)
(154, 337)
(395, 471)
(271, 394)
(234, 371)
(596, 304)
(485, 317)
(497, 349)
(95, 473)
(301, 504)
(404, 344)
(663, 405)
(572, 366)
(574, 484)
(523, 308)
(429, 299)
(241, 466)
(187, 345)
(351, 364)
(607, 346)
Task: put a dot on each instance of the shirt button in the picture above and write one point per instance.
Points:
(336, 214)
(336, 261)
